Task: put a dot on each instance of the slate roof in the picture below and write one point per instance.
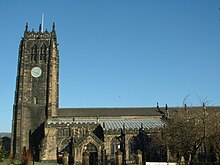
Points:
(191, 108)
(107, 112)
(131, 111)
(115, 118)
(5, 134)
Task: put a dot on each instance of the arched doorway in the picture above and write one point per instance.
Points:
(93, 154)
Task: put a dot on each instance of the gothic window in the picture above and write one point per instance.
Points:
(114, 147)
(66, 132)
(81, 134)
(60, 132)
(35, 88)
(34, 53)
(91, 148)
(43, 53)
(132, 148)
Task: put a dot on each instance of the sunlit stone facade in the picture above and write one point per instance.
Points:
(44, 128)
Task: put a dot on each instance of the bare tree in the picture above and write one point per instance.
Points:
(194, 134)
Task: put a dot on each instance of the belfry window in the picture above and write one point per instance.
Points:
(34, 53)
(43, 53)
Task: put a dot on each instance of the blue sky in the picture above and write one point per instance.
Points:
(120, 53)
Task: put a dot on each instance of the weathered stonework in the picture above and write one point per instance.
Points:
(36, 92)
(40, 125)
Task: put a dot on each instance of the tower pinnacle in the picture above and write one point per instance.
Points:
(53, 28)
(26, 27)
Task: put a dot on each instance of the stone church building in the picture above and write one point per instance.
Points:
(47, 130)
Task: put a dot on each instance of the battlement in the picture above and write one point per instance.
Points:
(40, 34)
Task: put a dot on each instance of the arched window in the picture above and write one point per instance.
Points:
(114, 147)
(132, 148)
(91, 148)
(34, 53)
(60, 132)
(43, 51)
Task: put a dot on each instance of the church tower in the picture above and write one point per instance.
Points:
(37, 90)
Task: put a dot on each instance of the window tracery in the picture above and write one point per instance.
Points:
(114, 147)
(43, 51)
(34, 53)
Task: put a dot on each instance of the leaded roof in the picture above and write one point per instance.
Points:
(112, 124)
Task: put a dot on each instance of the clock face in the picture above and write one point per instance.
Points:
(36, 72)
